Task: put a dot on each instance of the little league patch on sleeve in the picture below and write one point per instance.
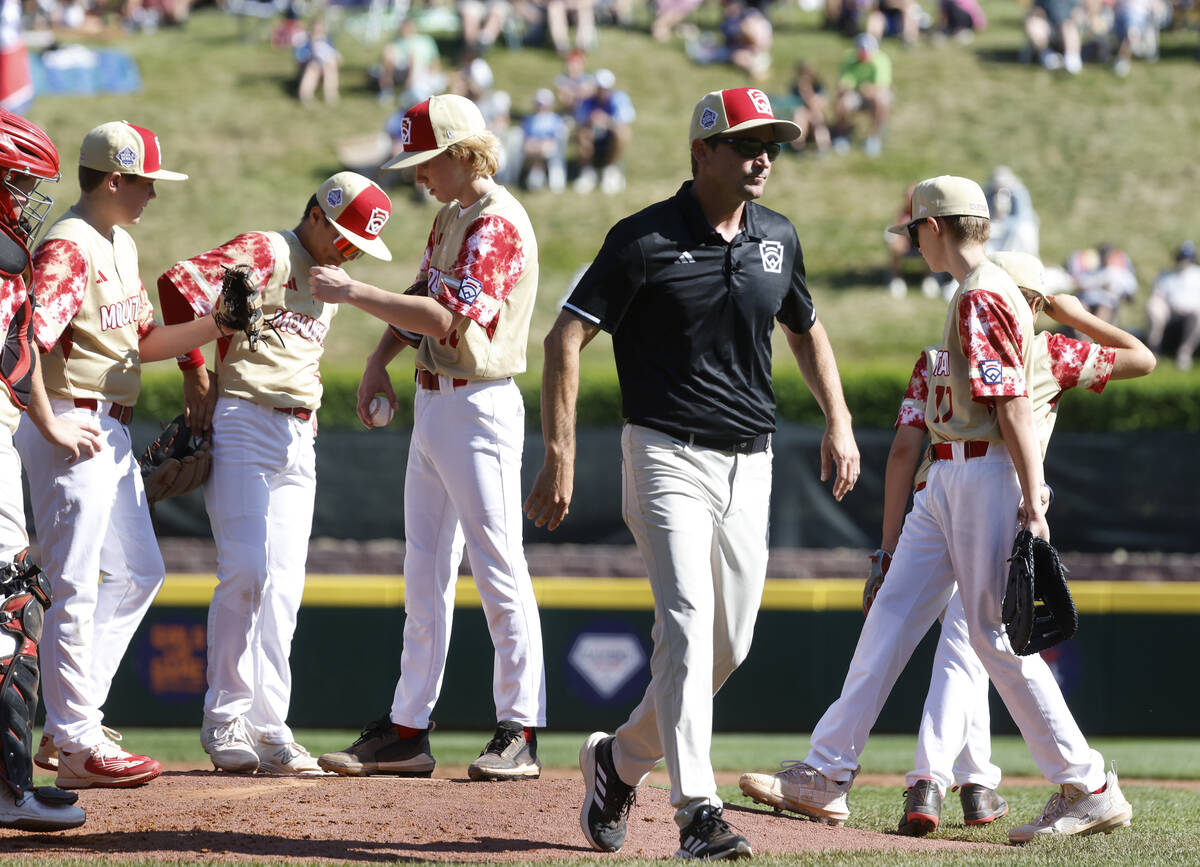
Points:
(469, 289)
(991, 371)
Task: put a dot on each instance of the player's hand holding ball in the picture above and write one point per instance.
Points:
(379, 412)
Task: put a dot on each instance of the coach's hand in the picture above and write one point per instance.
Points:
(550, 499)
(839, 453)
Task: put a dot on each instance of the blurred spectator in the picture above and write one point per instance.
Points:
(1052, 27)
(1015, 224)
(864, 85)
(900, 18)
(847, 17)
(669, 14)
(475, 80)
(319, 62)
(560, 14)
(961, 19)
(411, 67)
(602, 130)
(544, 148)
(902, 251)
(1135, 31)
(744, 40)
(574, 84)
(1175, 299)
(1104, 279)
(482, 22)
(805, 102)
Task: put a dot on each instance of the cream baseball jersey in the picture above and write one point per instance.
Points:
(1059, 363)
(92, 312)
(283, 372)
(986, 352)
(482, 263)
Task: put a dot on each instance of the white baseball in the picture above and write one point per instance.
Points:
(380, 411)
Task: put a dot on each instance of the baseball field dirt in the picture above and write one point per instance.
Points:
(200, 815)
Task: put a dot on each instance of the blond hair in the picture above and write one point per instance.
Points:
(481, 152)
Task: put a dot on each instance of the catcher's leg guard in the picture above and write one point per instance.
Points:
(26, 594)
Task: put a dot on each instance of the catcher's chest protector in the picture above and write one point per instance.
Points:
(26, 593)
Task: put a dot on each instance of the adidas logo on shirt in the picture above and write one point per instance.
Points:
(685, 258)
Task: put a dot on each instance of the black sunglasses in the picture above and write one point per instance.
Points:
(912, 232)
(750, 148)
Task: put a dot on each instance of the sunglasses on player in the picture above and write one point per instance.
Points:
(750, 148)
(912, 233)
(346, 248)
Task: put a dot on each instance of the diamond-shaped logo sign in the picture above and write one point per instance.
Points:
(606, 661)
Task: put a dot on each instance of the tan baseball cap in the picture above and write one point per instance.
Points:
(430, 127)
(736, 110)
(358, 209)
(1026, 270)
(945, 196)
(119, 146)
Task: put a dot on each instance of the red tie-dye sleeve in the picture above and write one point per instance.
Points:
(991, 339)
(427, 256)
(199, 278)
(489, 264)
(60, 279)
(912, 408)
(1074, 363)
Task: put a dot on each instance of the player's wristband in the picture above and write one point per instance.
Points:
(190, 360)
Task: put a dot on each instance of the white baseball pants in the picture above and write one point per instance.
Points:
(463, 487)
(962, 528)
(260, 503)
(13, 539)
(699, 518)
(99, 550)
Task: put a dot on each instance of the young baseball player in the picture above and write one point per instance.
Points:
(690, 289)
(986, 475)
(262, 489)
(95, 326)
(463, 481)
(954, 745)
(27, 157)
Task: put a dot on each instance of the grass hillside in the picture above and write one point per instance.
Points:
(1105, 158)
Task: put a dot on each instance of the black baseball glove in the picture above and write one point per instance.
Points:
(239, 306)
(176, 462)
(1038, 611)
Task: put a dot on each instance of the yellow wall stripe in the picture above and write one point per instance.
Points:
(781, 594)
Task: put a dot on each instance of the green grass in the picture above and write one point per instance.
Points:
(1105, 158)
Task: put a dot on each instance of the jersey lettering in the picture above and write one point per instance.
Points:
(943, 404)
(290, 322)
(120, 314)
(941, 365)
(451, 338)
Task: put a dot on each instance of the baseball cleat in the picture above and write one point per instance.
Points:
(607, 799)
(802, 789)
(46, 756)
(27, 811)
(510, 755)
(981, 805)
(381, 750)
(231, 746)
(710, 838)
(922, 809)
(105, 766)
(288, 759)
(1072, 810)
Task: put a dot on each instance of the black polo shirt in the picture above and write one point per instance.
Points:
(691, 315)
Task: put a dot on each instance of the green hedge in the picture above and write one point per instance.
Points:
(1166, 400)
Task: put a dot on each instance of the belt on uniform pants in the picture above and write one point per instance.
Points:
(301, 412)
(123, 414)
(431, 381)
(945, 451)
(749, 446)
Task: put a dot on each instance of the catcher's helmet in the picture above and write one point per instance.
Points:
(24, 150)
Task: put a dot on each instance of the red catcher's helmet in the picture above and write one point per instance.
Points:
(25, 150)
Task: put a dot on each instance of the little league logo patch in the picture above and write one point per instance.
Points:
(708, 118)
(377, 220)
(469, 289)
(126, 157)
(761, 103)
(334, 197)
(991, 371)
(772, 256)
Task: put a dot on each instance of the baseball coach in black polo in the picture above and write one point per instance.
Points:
(690, 290)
